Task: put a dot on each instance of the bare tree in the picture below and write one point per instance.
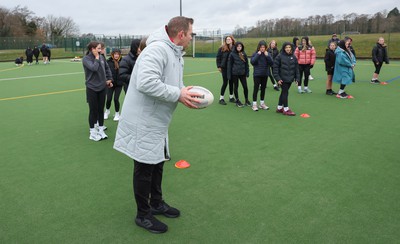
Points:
(56, 27)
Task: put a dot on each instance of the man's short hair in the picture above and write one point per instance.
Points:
(177, 24)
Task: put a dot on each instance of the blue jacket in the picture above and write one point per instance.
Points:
(260, 62)
(344, 64)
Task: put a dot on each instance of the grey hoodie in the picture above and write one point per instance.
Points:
(153, 94)
(97, 72)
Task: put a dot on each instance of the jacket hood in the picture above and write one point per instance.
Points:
(236, 44)
(261, 43)
(284, 45)
(134, 46)
(161, 35)
(295, 39)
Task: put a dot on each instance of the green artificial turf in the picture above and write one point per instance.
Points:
(255, 177)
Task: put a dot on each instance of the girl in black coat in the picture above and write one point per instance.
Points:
(113, 62)
(222, 65)
(128, 62)
(29, 55)
(330, 66)
(379, 55)
(238, 69)
(36, 53)
(286, 70)
(273, 52)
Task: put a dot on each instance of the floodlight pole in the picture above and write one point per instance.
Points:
(180, 7)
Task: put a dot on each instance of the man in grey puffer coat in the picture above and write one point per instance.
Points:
(155, 88)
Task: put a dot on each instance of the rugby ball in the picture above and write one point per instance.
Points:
(206, 97)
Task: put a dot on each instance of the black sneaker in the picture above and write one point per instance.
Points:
(151, 224)
(247, 103)
(166, 210)
(376, 82)
(342, 95)
(232, 100)
(222, 102)
(276, 88)
(329, 92)
(239, 104)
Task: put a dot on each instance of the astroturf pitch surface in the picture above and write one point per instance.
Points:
(255, 177)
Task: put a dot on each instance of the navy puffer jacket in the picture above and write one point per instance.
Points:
(260, 62)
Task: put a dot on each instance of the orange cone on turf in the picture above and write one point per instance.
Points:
(182, 164)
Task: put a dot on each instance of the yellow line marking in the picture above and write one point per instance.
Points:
(41, 94)
(61, 92)
(13, 68)
(204, 73)
(40, 76)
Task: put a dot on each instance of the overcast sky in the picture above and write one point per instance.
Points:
(134, 17)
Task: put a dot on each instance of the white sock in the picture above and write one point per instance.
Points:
(306, 88)
(275, 85)
(230, 96)
(341, 91)
(286, 109)
(280, 107)
(221, 97)
(374, 78)
(299, 87)
(262, 102)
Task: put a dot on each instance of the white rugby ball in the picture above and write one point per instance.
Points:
(206, 97)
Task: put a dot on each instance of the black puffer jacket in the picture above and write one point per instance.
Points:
(329, 60)
(286, 67)
(222, 58)
(379, 54)
(36, 52)
(260, 62)
(237, 66)
(128, 62)
(115, 72)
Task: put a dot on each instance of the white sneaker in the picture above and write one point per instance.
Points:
(299, 90)
(310, 77)
(254, 107)
(116, 116)
(101, 133)
(94, 135)
(263, 106)
(307, 90)
(96, 126)
(106, 113)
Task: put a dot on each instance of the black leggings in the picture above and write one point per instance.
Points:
(110, 91)
(147, 179)
(96, 102)
(257, 82)
(243, 80)
(304, 69)
(378, 67)
(225, 82)
(283, 98)
(271, 77)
